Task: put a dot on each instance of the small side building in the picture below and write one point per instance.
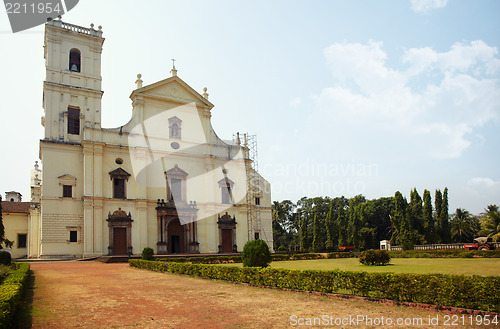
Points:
(15, 216)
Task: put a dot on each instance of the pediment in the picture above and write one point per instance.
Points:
(173, 88)
(67, 179)
(176, 172)
(119, 173)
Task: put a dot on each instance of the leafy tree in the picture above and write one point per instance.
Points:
(285, 225)
(3, 239)
(464, 226)
(377, 215)
(490, 223)
(429, 223)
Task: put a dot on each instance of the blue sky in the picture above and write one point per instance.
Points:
(345, 97)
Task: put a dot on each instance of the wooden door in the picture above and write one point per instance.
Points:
(119, 241)
(227, 240)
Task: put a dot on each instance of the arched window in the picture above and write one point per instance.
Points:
(74, 60)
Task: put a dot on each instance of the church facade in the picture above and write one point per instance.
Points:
(163, 180)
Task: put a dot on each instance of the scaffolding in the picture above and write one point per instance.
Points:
(253, 189)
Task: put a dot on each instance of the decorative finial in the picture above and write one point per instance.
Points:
(173, 71)
(138, 82)
(36, 165)
(205, 95)
(99, 27)
(238, 142)
(245, 140)
(92, 25)
(59, 16)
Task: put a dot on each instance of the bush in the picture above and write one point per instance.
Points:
(375, 257)
(147, 253)
(407, 245)
(256, 254)
(281, 248)
(5, 258)
(11, 291)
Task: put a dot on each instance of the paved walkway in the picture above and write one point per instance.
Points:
(95, 295)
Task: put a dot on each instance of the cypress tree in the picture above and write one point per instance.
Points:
(438, 201)
(429, 224)
(443, 218)
(416, 212)
(342, 227)
(316, 244)
(303, 233)
(329, 223)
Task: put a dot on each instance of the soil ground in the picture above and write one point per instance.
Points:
(95, 295)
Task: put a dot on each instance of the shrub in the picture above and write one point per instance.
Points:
(5, 258)
(11, 291)
(281, 248)
(375, 257)
(256, 254)
(147, 253)
(407, 245)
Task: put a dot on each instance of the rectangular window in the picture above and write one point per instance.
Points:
(176, 189)
(73, 236)
(73, 121)
(257, 201)
(67, 191)
(257, 235)
(21, 240)
(119, 188)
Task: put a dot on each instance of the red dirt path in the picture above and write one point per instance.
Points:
(96, 295)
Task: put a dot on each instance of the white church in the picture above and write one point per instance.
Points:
(163, 180)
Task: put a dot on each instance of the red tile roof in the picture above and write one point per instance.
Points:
(15, 207)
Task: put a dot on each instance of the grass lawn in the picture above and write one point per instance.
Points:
(468, 266)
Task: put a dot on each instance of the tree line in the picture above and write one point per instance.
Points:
(325, 223)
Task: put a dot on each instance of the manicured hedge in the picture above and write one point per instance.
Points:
(11, 291)
(474, 292)
(448, 253)
(203, 260)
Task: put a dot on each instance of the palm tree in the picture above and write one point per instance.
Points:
(490, 223)
(464, 226)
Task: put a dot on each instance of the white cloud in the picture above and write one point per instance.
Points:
(482, 181)
(431, 107)
(424, 6)
(295, 102)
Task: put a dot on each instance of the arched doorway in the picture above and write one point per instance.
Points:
(175, 237)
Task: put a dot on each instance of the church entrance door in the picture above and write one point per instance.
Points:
(176, 237)
(119, 241)
(227, 240)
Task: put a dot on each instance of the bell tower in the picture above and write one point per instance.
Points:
(72, 87)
